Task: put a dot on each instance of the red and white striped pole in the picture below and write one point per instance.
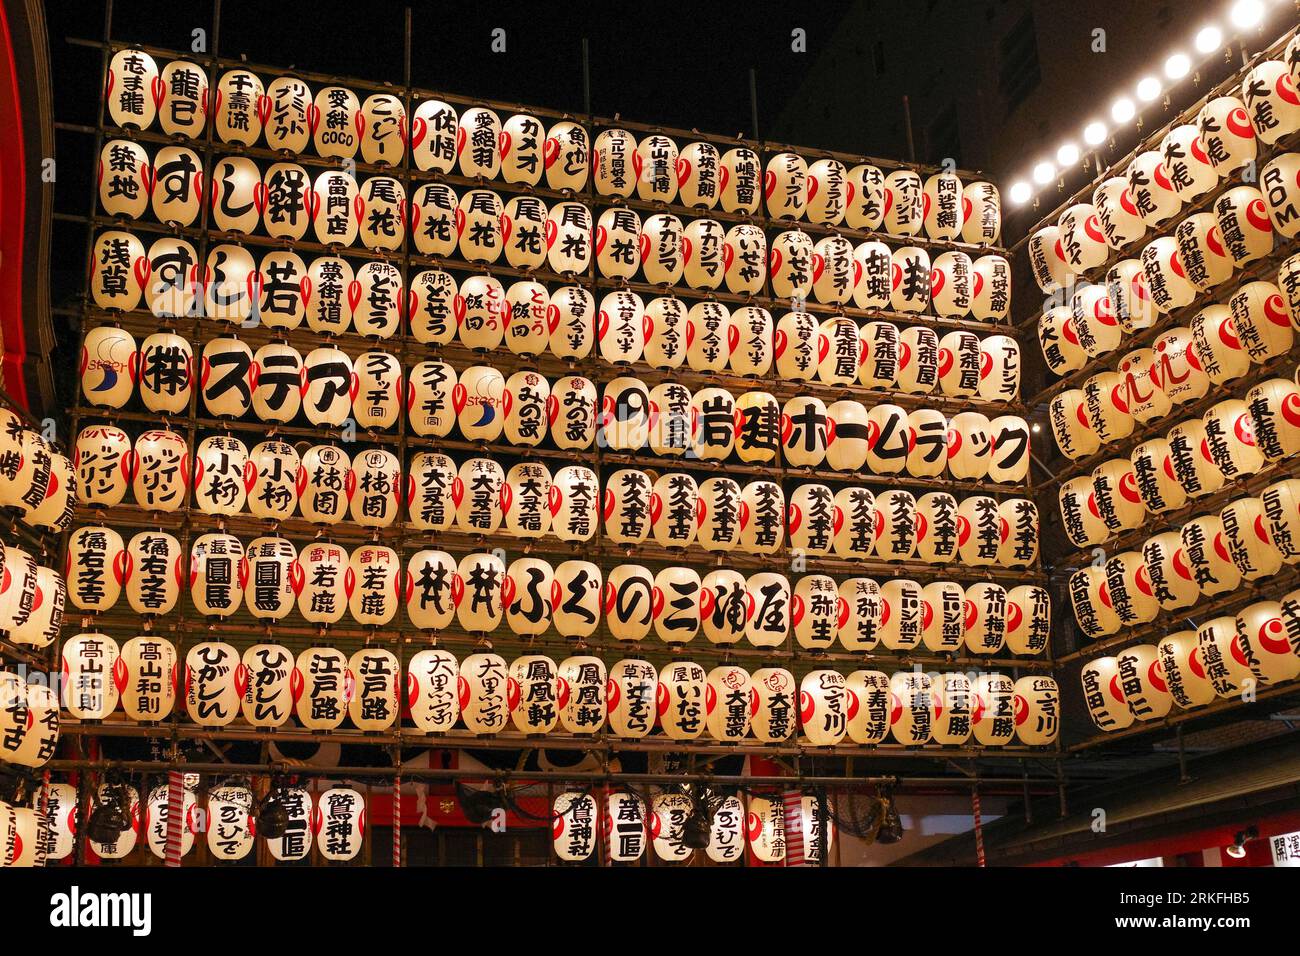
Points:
(979, 827)
(397, 821)
(175, 816)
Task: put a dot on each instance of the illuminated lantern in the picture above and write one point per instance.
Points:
(172, 288)
(767, 609)
(218, 574)
(910, 282)
(1282, 514)
(288, 123)
(174, 185)
(626, 411)
(723, 604)
(238, 195)
(1231, 439)
(668, 814)
(277, 376)
(155, 570)
(160, 470)
(911, 704)
(526, 400)
(1187, 163)
(271, 568)
(1269, 92)
(432, 690)
(631, 698)
(1029, 619)
(917, 359)
(222, 475)
(1215, 347)
(1223, 658)
(1116, 212)
(230, 823)
(336, 206)
(703, 254)
(804, 431)
(1106, 405)
(828, 192)
(1093, 322)
(574, 503)
(758, 418)
(433, 213)
(657, 168)
(1151, 189)
(327, 386)
(833, 270)
(89, 662)
(1262, 321)
(680, 700)
(54, 485)
(660, 249)
(959, 364)
(335, 118)
(156, 813)
(860, 611)
(103, 459)
(814, 611)
(566, 155)
(533, 694)
(895, 525)
(214, 683)
(120, 272)
(573, 826)
(840, 348)
(1009, 450)
(1246, 536)
(729, 699)
(124, 844)
(126, 180)
(373, 703)
(795, 345)
(902, 615)
(710, 336)
(241, 108)
(992, 709)
(480, 226)
(1153, 473)
(1274, 409)
(785, 186)
(1037, 710)
(1103, 694)
(1080, 515)
(95, 568)
(525, 499)
(789, 265)
(1181, 659)
(1244, 226)
(627, 602)
(284, 197)
(986, 617)
(740, 180)
(569, 238)
(1128, 585)
(953, 704)
(1083, 243)
(35, 737)
(328, 293)
(943, 209)
(991, 289)
(295, 843)
(1206, 548)
(848, 429)
(1128, 297)
(1166, 276)
(273, 493)
(773, 718)
(436, 307)
(478, 136)
(322, 480)
(970, 446)
(1227, 136)
(618, 237)
(1266, 642)
(377, 388)
(58, 830)
(318, 582)
(943, 616)
(853, 521)
(620, 327)
(927, 438)
(383, 129)
(1115, 495)
(1189, 455)
(373, 583)
(999, 368)
(108, 367)
(374, 487)
(869, 706)
(744, 258)
(674, 500)
(824, 706)
(979, 534)
(873, 273)
(19, 591)
(430, 399)
(1202, 252)
(626, 506)
(133, 89)
(762, 517)
(937, 525)
(476, 493)
(1047, 260)
(615, 167)
(727, 830)
(430, 587)
(1280, 183)
(478, 400)
(905, 208)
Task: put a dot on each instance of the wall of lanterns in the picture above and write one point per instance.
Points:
(1182, 266)
(375, 386)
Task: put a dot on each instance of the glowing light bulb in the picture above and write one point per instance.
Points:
(1122, 110)
(1094, 133)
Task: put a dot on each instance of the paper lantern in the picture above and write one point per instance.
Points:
(1093, 320)
(1117, 213)
(533, 693)
(811, 519)
(1115, 495)
(762, 517)
(795, 344)
(125, 842)
(713, 424)
(522, 145)
(1281, 508)
(1105, 401)
(525, 500)
(58, 830)
(828, 192)
(872, 265)
(833, 270)
(665, 344)
(476, 592)
(1083, 243)
(991, 289)
(915, 360)
(373, 583)
(527, 595)
(902, 610)
(1223, 658)
(904, 203)
(668, 814)
(572, 416)
(740, 180)
(927, 438)
(218, 573)
(329, 291)
(230, 823)
(1187, 162)
(1047, 260)
(373, 703)
(276, 375)
(612, 159)
(479, 401)
(430, 582)
(911, 697)
(174, 187)
(959, 364)
(273, 493)
(1128, 586)
(711, 335)
(986, 617)
(1226, 134)
(377, 390)
(171, 286)
(159, 471)
(322, 480)
(477, 139)
(335, 119)
(888, 438)
(126, 181)
(296, 842)
(569, 238)
(630, 698)
(1018, 518)
(618, 238)
(1244, 225)
(999, 368)
(156, 813)
(270, 569)
(1029, 619)
(1231, 439)
(48, 500)
(896, 525)
(729, 699)
(869, 706)
(1129, 297)
(823, 707)
(222, 475)
(620, 327)
(334, 205)
(432, 690)
(269, 680)
(785, 186)
(1103, 694)
(374, 487)
(1261, 320)
(953, 702)
(1267, 643)
(1216, 347)
(992, 709)
(238, 195)
(1278, 183)
(33, 599)
(814, 611)
(1151, 188)
(910, 279)
(322, 688)
(573, 826)
(680, 700)
(1189, 455)
(1181, 660)
(656, 163)
(133, 89)
(289, 114)
(1205, 259)
(788, 266)
(943, 623)
(1271, 100)
(943, 211)
(241, 108)
(774, 715)
(574, 503)
(882, 353)
(1060, 341)
(431, 398)
(718, 514)
(1080, 515)
(1288, 281)
(1246, 536)
(860, 611)
(853, 522)
(318, 582)
(1037, 710)
(435, 132)
(109, 365)
(327, 387)
(1009, 450)
(727, 831)
(103, 460)
(1207, 553)
(744, 259)
(937, 527)
(627, 601)
(757, 431)
(20, 576)
(970, 446)
(213, 683)
(805, 431)
(1166, 276)
(670, 419)
(95, 568)
(767, 609)
(979, 534)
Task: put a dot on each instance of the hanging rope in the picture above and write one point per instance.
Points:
(979, 827)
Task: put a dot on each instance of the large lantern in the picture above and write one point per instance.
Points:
(213, 683)
(1103, 694)
(775, 711)
(680, 699)
(1037, 710)
(823, 707)
(631, 698)
(268, 676)
(432, 690)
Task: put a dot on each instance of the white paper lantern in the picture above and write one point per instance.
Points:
(902, 610)
(1182, 663)
(627, 602)
(774, 714)
(680, 700)
(433, 690)
(912, 715)
(723, 606)
(213, 683)
(992, 709)
(1103, 694)
(631, 698)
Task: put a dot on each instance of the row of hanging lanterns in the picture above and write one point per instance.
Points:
(36, 481)
(1219, 660)
(267, 685)
(477, 144)
(32, 598)
(322, 581)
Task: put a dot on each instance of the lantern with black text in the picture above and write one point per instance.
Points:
(1208, 556)
(430, 588)
(952, 285)
(125, 842)
(630, 697)
(658, 170)
(873, 271)
(296, 841)
(533, 694)
(627, 601)
(959, 364)
(1103, 694)
(95, 567)
(268, 685)
(902, 614)
(213, 683)
(574, 502)
(569, 238)
(992, 709)
(1223, 658)
(1037, 710)
(1281, 502)
(1059, 340)
(1189, 457)
(910, 279)
(1047, 260)
(1266, 643)
(322, 688)
(476, 592)
(1182, 662)
(1231, 439)
(618, 243)
(573, 826)
(318, 582)
(432, 690)
(774, 714)
(373, 703)
(937, 527)
(109, 364)
(986, 617)
(912, 707)
(1128, 587)
(218, 573)
(156, 812)
(269, 594)
(373, 583)
(582, 685)
(1105, 401)
(1246, 536)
